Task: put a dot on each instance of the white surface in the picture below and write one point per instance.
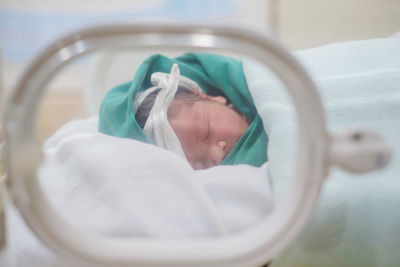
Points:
(356, 222)
(22, 247)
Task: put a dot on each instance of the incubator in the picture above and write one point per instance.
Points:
(318, 150)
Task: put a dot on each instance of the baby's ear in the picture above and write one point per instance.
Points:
(218, 99)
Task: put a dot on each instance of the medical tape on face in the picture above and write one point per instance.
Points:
(157, 127)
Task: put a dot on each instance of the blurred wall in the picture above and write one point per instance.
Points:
(27, 26)
(309, 23)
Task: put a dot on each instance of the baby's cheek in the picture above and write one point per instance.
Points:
(196, 156)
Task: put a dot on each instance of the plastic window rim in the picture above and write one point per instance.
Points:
(252, 247)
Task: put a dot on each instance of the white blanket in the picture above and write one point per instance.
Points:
(122, 187)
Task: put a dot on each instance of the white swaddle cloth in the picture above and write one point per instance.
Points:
(157, 127)
(102, 184)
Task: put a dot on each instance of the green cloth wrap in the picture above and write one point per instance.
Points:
(215, 74)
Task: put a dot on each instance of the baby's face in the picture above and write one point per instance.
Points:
(208, 130)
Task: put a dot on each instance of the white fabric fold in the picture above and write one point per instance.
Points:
(157, 127)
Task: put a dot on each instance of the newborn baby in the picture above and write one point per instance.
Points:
(206, 126)
(189, 114)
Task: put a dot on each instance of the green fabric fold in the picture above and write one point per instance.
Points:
(215, 74)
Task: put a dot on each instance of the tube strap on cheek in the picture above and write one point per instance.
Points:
(157, 127)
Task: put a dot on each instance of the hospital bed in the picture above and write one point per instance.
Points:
(317, 151)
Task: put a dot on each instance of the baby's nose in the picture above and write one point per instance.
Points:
(217, 153)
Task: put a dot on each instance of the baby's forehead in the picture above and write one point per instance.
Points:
(182, 106)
